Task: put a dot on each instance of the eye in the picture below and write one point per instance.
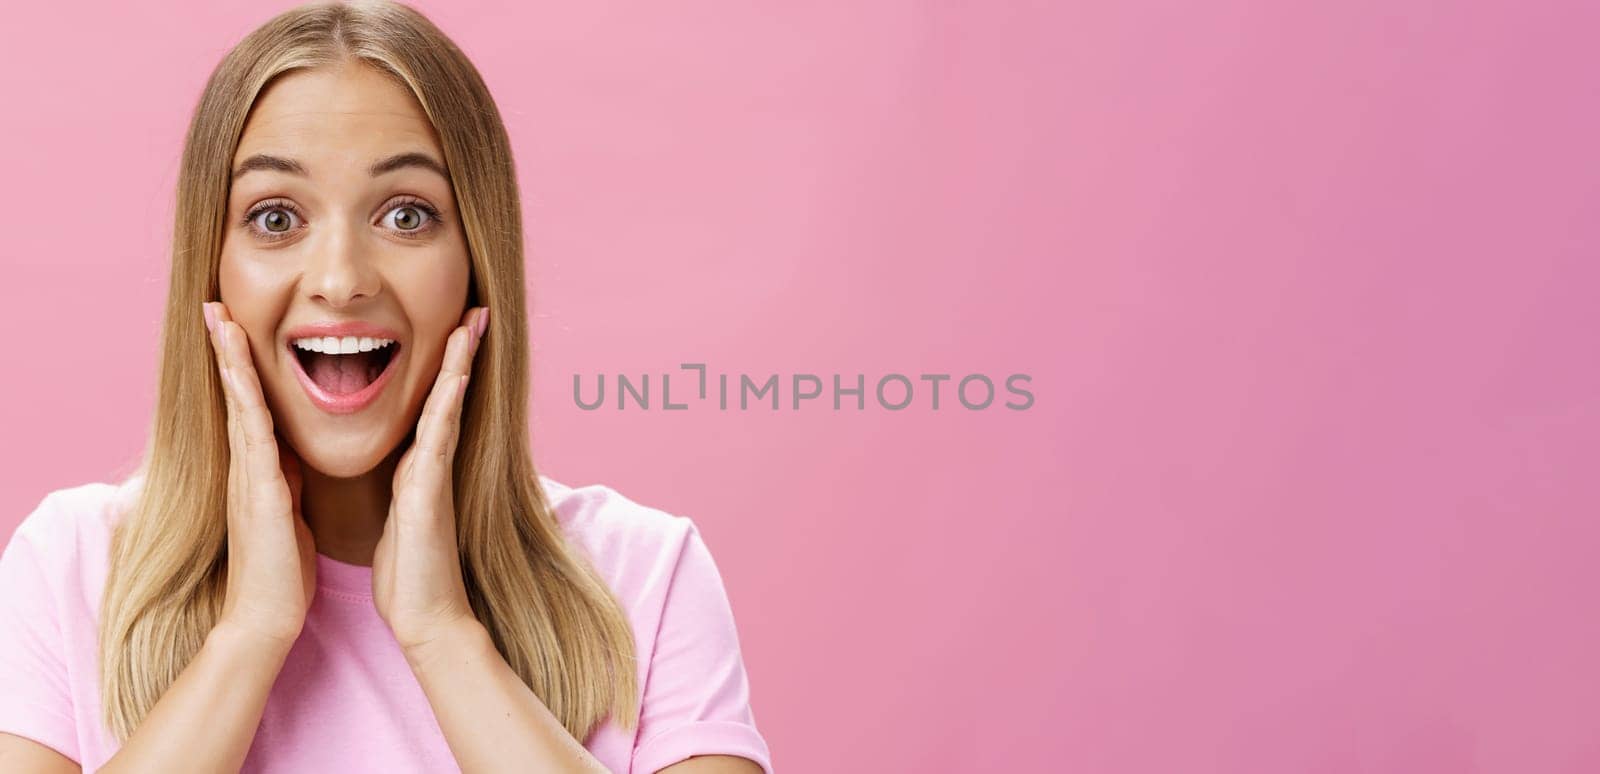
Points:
(411, 217)
(276, 220)
(272, 219)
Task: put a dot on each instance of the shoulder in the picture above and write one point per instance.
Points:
(640, 551)
(67, 536)
(75, 511)
(613, 529)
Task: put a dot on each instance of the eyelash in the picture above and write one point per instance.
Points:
(249, 219)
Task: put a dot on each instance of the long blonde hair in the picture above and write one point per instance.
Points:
(551, 616)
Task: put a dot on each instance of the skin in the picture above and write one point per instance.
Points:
(342, 257)
(303, 481)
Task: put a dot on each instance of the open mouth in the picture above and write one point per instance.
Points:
(344, 366)
(343, 374)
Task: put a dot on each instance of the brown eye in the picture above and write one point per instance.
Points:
(407, 218)
(276, 221)
(411, 217)
(271, 220)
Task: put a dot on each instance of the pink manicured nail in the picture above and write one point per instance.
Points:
(210, 313)
(481, 324)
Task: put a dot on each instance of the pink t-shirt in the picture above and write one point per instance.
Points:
(346, 699)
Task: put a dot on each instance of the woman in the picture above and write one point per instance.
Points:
(336, 555)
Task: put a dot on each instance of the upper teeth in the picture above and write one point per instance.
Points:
(334, 345)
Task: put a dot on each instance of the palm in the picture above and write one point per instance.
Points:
(415, 568)
(417, 583)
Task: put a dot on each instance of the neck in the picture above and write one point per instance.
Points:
(346, 515)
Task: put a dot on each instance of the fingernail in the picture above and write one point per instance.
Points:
(462, 388)
(482, 323)
(210, 313)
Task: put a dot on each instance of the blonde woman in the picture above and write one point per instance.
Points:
(336, 555)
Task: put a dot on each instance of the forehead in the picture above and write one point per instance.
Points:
(351, 111)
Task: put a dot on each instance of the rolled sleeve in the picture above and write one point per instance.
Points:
(696, 696)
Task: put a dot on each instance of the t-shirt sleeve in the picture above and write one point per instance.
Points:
(696, 695)
(35, 702)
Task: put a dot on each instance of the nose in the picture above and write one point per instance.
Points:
(340, 271)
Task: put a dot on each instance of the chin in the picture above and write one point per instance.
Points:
(339, 454)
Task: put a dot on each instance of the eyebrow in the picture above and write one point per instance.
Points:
(262, 161)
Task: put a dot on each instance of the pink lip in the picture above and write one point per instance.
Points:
(355, 401)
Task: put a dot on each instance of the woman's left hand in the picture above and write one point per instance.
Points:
(416, 568)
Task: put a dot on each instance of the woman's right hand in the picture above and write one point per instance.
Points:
(271, 574)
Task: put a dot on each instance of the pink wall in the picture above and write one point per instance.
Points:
(1307, 292)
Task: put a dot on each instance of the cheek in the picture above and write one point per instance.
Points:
(434, 295)
(255, 293)
(246, 282)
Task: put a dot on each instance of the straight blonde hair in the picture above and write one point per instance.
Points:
(550, 615)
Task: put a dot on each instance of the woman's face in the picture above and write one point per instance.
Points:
(342, 234)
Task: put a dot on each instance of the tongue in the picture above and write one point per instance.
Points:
(341, 374)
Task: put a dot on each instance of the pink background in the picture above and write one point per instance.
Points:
(1307, 292)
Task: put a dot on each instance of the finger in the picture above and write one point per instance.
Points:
(215, 312)
(477, 323)
(467, 321)
(260, 448)
(441, 415)
(459, 362)
(219, 316)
